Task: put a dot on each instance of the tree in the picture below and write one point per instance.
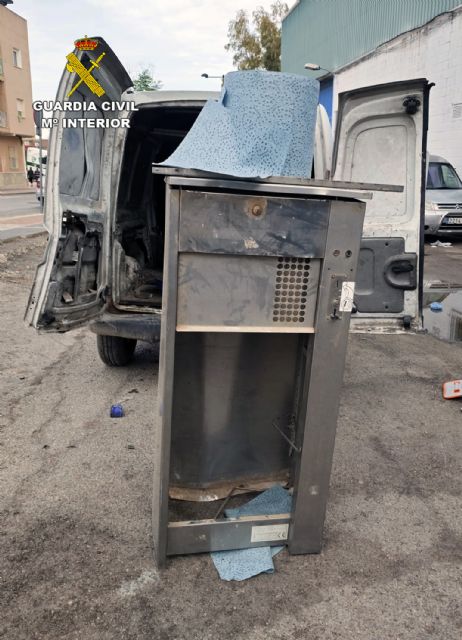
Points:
(257, 46)
(145, 82)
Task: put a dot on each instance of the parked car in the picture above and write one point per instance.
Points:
(443, 199)
(104, 208)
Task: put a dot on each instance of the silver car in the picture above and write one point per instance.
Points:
(443, 199)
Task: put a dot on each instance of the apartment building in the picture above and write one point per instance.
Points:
(16, 119)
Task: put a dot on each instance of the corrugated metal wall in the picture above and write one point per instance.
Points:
(332, 33)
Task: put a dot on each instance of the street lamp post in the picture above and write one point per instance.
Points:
(208, 77)
(312, 66)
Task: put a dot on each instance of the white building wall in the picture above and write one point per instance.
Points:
(433, 51)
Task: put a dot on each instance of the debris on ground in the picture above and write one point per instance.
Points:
(19, 258)
(242, 564)
(117, 411)
(438, 243)
(452, 389)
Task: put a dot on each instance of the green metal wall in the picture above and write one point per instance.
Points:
(333, 33)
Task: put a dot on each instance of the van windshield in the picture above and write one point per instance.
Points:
(442, 176)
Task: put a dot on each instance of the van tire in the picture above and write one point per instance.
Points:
(115, 351)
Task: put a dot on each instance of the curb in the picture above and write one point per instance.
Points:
(16, 192)
(26, 237)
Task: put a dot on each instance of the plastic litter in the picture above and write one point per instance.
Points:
(438, 243)
(436, 306)
(452, 389)
(117, 411)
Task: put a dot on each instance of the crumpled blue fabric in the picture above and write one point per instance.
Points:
(242, 564)
(262, 125)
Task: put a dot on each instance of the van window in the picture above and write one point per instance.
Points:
(442, 176)
(81, 149)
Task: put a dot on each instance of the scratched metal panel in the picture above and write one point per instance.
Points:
(217, 292)
(253, 225)
(229, 389)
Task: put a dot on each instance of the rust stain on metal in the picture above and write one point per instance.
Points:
(256, 207)
(219, 491)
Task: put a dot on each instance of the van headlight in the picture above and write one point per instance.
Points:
(431, 206)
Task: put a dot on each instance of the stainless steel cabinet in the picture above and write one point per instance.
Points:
(258, 291)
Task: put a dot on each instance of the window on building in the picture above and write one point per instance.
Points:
(20, 109)
(17, 58)
(13, 156)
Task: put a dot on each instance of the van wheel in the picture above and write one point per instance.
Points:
(114, 351)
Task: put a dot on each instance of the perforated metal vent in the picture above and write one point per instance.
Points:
(291, 288)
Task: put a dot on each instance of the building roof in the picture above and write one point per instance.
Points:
(333, 33)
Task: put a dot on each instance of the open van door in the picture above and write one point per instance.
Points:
(71, 282)
(381, 137)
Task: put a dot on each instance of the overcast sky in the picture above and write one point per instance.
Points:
(180, 38)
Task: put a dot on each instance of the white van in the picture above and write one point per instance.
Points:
(104, 209)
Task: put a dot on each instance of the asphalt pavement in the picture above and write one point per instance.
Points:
(20, 215)
(75, 500)
(443, 264)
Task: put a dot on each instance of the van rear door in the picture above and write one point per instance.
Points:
(381, 138)
(71, 282)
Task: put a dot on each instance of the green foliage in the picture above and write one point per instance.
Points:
(145, 82)
(257, 46)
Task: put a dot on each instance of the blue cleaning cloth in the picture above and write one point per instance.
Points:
(242, 564)
(263, 125)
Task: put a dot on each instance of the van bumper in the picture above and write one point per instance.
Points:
(137, 326)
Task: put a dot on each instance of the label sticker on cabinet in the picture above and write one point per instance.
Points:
(346, 299)
(269, 533)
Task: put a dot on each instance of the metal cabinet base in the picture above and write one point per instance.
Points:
(258, 290)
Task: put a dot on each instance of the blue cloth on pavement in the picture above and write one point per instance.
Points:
(262, 125)
(242, 564)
